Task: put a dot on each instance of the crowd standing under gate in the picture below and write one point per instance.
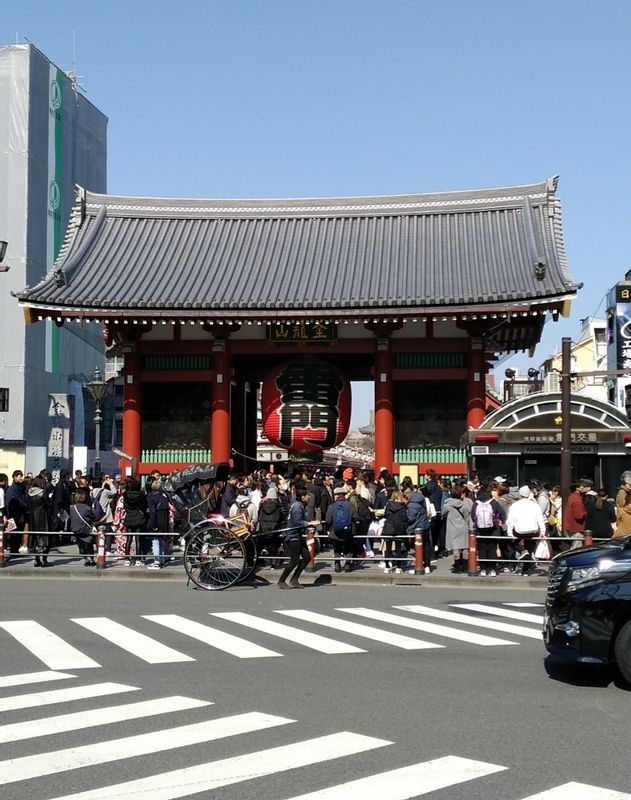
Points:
(356, 516)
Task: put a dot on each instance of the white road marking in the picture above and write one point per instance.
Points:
(63, 695)
(524, 605)
(579, 791)
(47, 646)
(63, 723)
(32, 677)
(234, 645)
(521, 616)
(235, 769)
(465, 619)
(144, 647)
(34, 766)
(320, 643)
(407, 782)
(428, 627)
(395, 639)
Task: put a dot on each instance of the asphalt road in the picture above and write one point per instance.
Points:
(523, 723)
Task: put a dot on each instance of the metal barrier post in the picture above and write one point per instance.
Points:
(100, 553)
(588, 540)
(473, 555)
(311, 542)
(2, 561)
(419, 566)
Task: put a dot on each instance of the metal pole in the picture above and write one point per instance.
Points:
(566, 422)
(97, 439)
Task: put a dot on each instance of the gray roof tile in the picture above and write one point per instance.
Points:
(335, 254)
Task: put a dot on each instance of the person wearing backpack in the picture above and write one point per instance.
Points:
(341, 519)
(419, 521)
(488, 518)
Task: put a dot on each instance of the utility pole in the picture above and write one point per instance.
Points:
(566, 422)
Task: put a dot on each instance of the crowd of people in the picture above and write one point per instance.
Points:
(37, 514)
(354, 513)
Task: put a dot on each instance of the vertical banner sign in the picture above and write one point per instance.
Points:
(60, 417)
(54, 230)
(623, 327)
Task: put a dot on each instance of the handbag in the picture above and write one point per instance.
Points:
(93, 533)
(11, 525)
(542, 551)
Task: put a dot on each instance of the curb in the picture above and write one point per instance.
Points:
(177, 574)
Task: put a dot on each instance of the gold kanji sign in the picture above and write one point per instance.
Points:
(301, 333)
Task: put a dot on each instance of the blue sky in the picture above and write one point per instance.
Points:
(282, 98)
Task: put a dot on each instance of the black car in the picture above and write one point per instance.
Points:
(588, 605)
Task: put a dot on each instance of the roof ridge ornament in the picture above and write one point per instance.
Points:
(552, 183)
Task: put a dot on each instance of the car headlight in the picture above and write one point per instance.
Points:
(606, 567)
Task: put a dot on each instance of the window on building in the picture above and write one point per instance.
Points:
(4, 399)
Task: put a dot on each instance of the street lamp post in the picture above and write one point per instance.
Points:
(566, 422)
(98, 389)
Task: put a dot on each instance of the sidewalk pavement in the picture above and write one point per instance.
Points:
(68, 565)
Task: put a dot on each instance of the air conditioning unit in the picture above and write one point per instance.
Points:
(480, 450)
(552, 382)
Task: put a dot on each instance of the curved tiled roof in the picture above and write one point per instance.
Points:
(400, 253)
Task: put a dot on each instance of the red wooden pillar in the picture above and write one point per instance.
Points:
(132, 421)
(384, 407)
(220, 409)
(476, 384)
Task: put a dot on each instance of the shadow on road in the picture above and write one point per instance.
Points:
(595, 675)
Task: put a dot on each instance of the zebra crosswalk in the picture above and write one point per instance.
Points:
(200, 772)
(272, 634)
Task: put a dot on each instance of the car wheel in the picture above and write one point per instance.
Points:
(622, 651)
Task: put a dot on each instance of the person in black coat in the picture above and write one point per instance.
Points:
(17, 511)
(135, 505)
(294, 543)
(229, 495)
(39, 518)
(157, 522)
(82, 526)
(395, 529)
(601, 516)
(270, 522)
(61, 501)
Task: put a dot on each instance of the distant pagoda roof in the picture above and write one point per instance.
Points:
(490, 250)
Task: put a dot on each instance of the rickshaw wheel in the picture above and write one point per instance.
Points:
(214, 558)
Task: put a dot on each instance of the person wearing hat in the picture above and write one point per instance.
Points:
(342, 518)
(525, 521)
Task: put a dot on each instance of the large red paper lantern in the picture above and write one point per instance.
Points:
(306, 406)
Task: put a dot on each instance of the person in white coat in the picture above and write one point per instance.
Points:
(525, 522)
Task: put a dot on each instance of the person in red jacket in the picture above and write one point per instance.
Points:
(575, 512)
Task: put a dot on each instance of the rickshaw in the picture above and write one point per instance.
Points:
(219, 551)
